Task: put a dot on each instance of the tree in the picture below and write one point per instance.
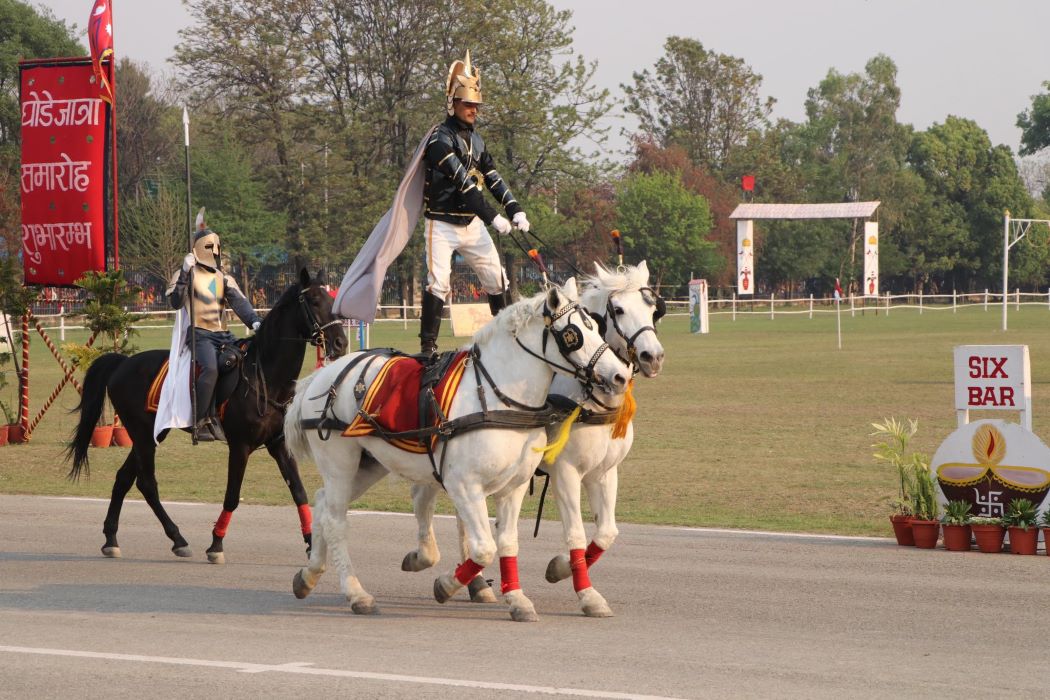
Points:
(664, 224)
(970, 184)
(154, 238)
(703, 101)
(1034, 123)
(149, 128)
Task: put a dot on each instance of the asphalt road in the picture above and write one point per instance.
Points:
(698, 614)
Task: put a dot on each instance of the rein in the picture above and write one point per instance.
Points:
(632, 351)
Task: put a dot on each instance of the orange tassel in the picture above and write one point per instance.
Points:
(625, 414)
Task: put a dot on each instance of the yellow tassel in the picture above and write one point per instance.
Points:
(553, 449)
(625, 414)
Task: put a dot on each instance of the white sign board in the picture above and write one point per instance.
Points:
(871, 258)
(698, 312)
(745, 257)
(467, 319)
(993, 378)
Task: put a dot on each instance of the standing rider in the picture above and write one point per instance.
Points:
(213, 290)
(454, 207)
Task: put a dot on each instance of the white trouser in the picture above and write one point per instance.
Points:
(474, 244)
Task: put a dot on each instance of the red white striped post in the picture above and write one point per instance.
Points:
(24, 419)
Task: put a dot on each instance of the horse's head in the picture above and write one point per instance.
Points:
(629, 309)
(578, 341)
(317, 322)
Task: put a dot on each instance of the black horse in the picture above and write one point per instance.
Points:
(253, 416)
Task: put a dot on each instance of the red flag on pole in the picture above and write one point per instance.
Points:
(838, 290)
(100, 39)
(747, 183)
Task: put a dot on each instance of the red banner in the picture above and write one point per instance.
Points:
(63, 178)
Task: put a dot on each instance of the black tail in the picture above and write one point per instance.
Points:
(90, 408)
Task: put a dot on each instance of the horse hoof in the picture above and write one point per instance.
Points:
(444, 587)
(299, 587)
(216, 558)
(558, 569)
(183, 551)
(481, 590)
(111, 552)
(364, 606)
(593, 604)
(411, 562)
(521, 614)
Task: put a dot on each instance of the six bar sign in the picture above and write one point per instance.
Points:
(993, 377)
(63, 177)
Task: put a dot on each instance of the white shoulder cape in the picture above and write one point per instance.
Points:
(174, 409)
(359, 292)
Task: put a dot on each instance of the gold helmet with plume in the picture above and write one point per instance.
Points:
(206, 245)
(463, 83)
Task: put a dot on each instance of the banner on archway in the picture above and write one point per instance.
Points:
(871, 258)
(745, 261)
(65, 171)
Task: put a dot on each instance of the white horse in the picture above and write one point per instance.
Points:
(592, 456)
(626, 309)
(514, 359)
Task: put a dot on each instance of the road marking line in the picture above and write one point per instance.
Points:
(304, 668)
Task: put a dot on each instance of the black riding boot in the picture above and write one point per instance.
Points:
(208, 427)
(430, 323)
(498, 302)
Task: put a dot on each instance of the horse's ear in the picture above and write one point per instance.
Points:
(643, 267)
(570, 289)
(304, 278)
(553, 299)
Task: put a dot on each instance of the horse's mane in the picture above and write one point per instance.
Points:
(513, 318)
(606, 281)
(289, 295)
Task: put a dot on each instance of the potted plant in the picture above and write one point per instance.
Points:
(1046, 530)
(925, 526)
(894, 449)
(15, 300)
(106, 315)
(1020, 520)
(956, 526)
(988, 533)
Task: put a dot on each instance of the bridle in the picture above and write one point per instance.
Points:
(610, 315)
(317, 329)
(569, 339)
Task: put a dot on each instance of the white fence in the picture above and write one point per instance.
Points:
(770, 306)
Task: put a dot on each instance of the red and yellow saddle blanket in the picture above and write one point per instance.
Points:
(153, 395)
(392, 400)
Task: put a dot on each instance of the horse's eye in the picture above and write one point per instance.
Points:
(618, 310)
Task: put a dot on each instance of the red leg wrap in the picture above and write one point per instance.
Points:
(578, 564)
(594, 553)
(306, 519)
(222, 523)
(508, 574)
(466, 571)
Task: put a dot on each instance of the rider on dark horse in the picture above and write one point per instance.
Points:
(213, 290)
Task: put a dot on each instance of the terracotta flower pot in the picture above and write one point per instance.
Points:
(102, 436)
(15, 434)
(1023, 541)
(989, 537)
(121, 437)
(3, 435)
(1046, 538)
(902, 530)
(925, 533)
(957, 538)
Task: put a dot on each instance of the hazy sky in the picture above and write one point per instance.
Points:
(976, 59)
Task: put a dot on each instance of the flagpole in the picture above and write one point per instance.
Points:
(838, 318)
(189, 286)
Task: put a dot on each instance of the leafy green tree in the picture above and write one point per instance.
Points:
(666, 225)
(970, 184)
(149, 128)
(703, 101)
(1034, 123)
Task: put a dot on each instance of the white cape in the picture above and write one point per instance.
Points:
(174, 409)
(362, 284)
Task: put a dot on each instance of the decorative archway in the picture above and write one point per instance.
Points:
(745, 215)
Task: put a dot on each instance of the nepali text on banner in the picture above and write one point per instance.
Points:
(63, 173)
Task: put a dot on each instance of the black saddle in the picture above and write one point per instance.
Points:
(231, 357)
(434, 368)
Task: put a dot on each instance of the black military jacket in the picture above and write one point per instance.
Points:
(456, 166)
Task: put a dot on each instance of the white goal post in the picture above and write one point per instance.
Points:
(1013, 231)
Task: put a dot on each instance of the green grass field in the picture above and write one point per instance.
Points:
(760, 424)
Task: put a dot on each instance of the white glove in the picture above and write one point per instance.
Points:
(188, 262)
(521, 222)
(500, 224)
(255, 326)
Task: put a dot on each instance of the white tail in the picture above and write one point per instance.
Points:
(294, 436)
